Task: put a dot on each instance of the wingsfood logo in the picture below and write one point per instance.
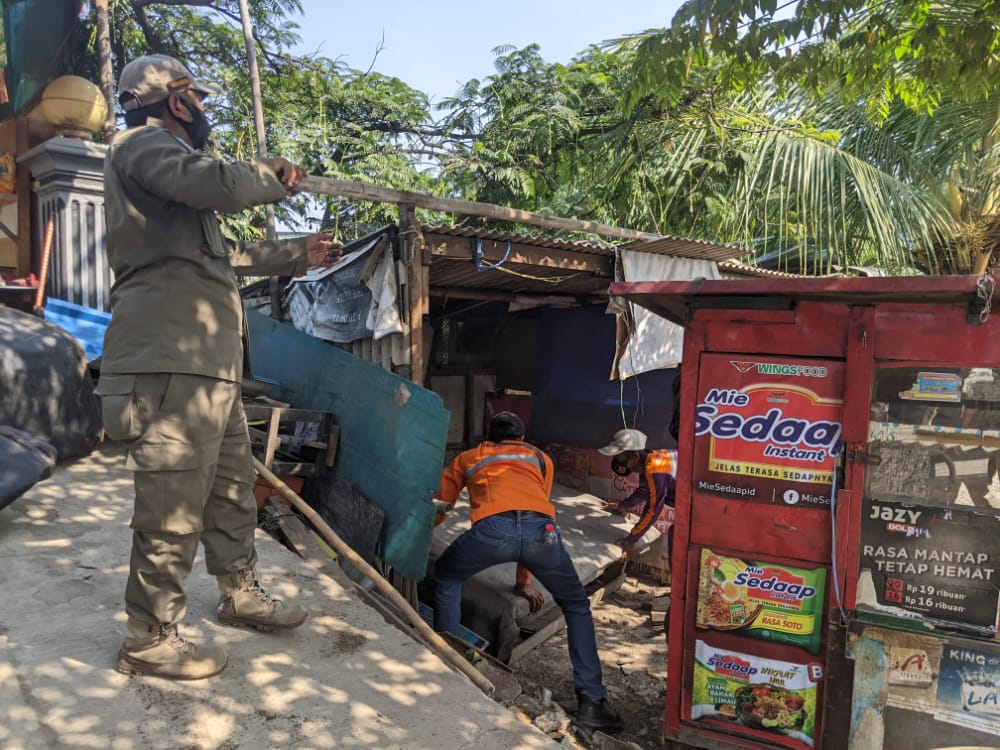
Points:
(779, 368)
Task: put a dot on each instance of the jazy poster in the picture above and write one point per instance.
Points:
(940, 563)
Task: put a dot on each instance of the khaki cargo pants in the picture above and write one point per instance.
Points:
(189, 447)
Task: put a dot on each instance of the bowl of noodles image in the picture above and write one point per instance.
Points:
(770, 708)
(722, 604)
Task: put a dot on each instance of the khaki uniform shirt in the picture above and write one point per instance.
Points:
(175, 304)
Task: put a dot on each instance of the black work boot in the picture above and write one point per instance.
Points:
(597, 715)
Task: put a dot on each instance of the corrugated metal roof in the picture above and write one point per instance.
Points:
(677, 246)
(735, 269)
(687, 248)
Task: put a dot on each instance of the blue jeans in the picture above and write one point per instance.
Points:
(502, 539)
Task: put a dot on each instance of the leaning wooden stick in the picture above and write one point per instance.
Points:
(342, 548)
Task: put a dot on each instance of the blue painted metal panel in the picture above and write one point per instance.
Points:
(85, 324)
(392, 432)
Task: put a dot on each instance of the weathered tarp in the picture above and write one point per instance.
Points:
(24, 461)
(392, 432)
(356, 299)
(36, 32)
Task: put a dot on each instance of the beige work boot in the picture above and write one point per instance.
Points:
(244, 602)
(159, 651)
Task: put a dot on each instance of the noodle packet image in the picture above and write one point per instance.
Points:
(761, 599)
(766, 695)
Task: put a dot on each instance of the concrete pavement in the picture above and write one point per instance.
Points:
(345, 679)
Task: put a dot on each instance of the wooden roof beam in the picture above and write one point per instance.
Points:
(463, 248)
(364, 191)
(444, 292)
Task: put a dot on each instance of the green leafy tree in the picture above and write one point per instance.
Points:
(333, 120)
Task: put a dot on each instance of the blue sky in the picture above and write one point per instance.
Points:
(437, 45)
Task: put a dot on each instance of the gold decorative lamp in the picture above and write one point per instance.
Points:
(74, 107)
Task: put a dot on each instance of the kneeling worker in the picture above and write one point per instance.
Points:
(513, 520)
(656, 488)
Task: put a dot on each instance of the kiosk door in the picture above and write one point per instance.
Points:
(767, 443)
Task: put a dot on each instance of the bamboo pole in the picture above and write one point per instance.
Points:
(43, 270)
(364, 191)
(258, 122)
(434, 640)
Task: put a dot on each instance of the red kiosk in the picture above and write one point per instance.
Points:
(837, 535)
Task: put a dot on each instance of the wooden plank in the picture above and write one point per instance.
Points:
(363, 191)
(557, 622)
(444, 246)
(417, 289)
(24, 201)
(302, 541)
(538, 637)
(256, 412)
(271, 442)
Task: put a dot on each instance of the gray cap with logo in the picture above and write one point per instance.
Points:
(152, 78)
(625, 440)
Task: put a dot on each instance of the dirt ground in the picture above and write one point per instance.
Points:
(633, 652)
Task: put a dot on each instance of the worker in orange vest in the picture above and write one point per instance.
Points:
(513, 520)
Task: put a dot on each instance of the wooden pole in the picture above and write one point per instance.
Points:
(364, 191)
(258, 121)
(104, 65)
(435, 641)
(417, 290)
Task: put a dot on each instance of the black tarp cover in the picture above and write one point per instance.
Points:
(44, 386)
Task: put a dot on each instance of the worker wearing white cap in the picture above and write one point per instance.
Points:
(656, 487)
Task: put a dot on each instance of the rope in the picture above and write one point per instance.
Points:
(480, 264)
(833, 540)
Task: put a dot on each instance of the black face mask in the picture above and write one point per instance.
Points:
(619, 465)
(198, 129)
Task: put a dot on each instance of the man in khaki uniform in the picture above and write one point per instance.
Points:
(173, 361)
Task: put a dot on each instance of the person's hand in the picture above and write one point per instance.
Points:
(533, 595)
(612, 506)
(288, 174)
(322, 250)
(628, 545)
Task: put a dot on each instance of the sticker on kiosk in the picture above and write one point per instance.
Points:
(968, 692)
(761, 599)
(771, 696)
(768, 430)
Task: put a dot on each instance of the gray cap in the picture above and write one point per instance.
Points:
(624, 440)
(151, 79)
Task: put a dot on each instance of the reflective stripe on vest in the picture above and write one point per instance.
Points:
(535, 461)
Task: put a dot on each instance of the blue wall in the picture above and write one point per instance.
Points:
(575, 403)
